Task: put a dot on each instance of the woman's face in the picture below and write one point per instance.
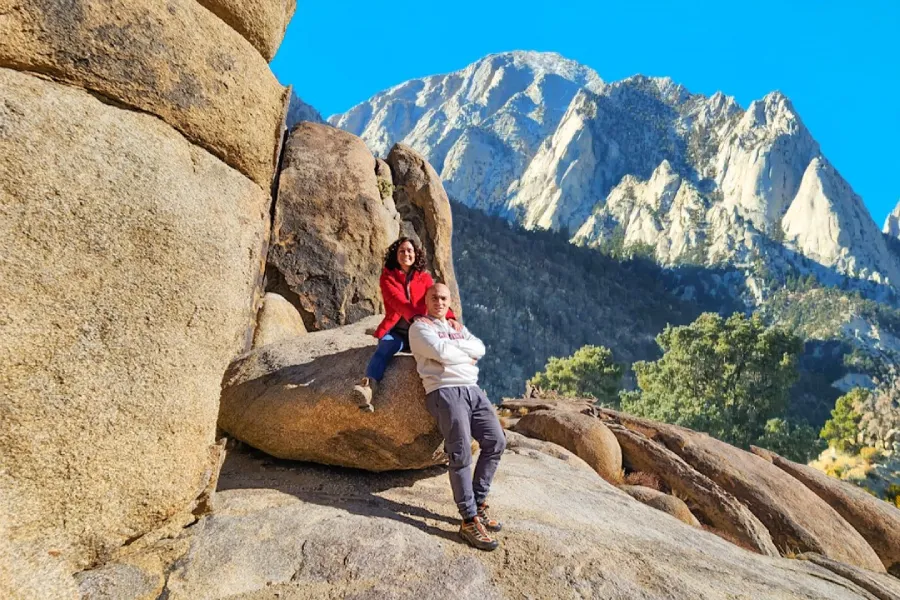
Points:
(406, 254)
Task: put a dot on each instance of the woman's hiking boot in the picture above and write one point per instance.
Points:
(489, 523)
(475, 534)
(363, 392)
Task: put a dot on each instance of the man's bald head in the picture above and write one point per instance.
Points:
(437, 301)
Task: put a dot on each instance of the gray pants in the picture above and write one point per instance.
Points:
(463, 413)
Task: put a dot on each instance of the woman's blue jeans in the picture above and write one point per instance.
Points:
(388, 346)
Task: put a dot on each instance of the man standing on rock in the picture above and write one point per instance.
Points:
(446, 362)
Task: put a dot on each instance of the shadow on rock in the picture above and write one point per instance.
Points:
(353, 490)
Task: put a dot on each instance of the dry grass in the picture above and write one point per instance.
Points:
(868, 453)
(729, 538)
(644, 479)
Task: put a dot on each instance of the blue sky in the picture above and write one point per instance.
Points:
(839, 62)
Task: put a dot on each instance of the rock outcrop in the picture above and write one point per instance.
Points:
(892, 223)
(661, 501)
(797, 519)
(293, 400)
(175, 60)
(301, 532)
(424, 208)
(583, 435)
(331, 227)
(277, 320)
(883, 587)
(112, 340)
(640, 163)
(138, 142)
(877, 521)
(260, 22)
(716, 507)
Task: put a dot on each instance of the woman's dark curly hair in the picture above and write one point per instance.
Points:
(390, 257)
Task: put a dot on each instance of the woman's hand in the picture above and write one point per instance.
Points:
(456, 325)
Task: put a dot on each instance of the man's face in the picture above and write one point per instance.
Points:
(437, 301)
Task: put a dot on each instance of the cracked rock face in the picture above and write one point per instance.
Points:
(331, 228)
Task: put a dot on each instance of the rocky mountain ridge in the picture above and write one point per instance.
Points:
(640, 162)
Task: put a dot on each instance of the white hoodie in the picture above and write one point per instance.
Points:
(444, 356)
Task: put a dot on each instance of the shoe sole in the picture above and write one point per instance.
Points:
(479, 546)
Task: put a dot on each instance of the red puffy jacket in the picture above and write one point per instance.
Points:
(402, 300)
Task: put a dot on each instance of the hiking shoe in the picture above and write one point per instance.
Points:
(363, 392)
(489, 523)
(476, 535)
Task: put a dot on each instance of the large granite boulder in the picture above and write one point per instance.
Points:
(277, 320)
(261, 22)
(331, 227)
(661, 501)
(113, 337)
(797, 519)
(717, 508)
(293, 400)
(173, 59)
(425, 211)
(293, 531)
(877, 521)
(583, 435)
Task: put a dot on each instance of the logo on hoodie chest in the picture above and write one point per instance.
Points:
(453, 335)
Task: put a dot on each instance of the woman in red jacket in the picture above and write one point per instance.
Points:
(404, 282)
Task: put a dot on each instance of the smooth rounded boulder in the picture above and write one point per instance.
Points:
(277, 320)
(293, 399)
(172, 59)
(331, 227)
(583, 435)
(129, 262)
(662, 502)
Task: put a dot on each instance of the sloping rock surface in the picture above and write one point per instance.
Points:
(295, 532)
(796, 518)
(718, 508)
(876, 520)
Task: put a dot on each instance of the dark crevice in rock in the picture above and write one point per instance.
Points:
(262, 283)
